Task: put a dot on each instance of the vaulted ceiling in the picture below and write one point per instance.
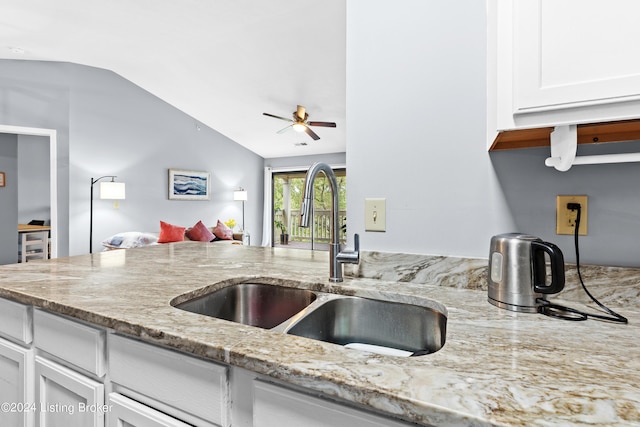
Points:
(222, 62)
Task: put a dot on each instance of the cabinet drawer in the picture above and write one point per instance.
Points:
(126, 412)
(179, 381)
(276, 406)
(76, 343)
(16, 321)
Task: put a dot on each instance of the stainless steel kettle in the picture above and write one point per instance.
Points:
(518, 271)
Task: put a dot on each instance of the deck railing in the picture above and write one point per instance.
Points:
(321, 227)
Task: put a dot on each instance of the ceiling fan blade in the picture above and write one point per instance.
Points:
(277, 117)
(322, 124)
(285, 129)
(311, 133)
(301, 113)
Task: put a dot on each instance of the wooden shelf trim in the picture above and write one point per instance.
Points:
(592, 133)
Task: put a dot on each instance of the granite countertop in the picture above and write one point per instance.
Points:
(496, 368)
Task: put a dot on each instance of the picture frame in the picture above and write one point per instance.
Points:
(189, 185)
(2, 179)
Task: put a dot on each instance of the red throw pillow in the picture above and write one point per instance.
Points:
(200, 233)
(222, 231)
(170, 233)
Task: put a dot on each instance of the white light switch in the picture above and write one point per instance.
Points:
(375, 214)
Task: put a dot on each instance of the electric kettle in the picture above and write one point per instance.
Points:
(518, 271)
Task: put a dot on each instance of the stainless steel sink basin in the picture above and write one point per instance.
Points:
(347, 320)
(255, 304)
(374, 325)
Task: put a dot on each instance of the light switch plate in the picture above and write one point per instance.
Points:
(375, 214)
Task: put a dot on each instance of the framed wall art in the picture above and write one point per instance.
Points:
(189, 185)
(2, 179)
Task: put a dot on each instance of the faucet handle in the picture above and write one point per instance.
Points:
(351, 257)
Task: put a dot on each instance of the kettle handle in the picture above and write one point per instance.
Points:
(538, 248)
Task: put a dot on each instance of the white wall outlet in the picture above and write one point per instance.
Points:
(375, 214)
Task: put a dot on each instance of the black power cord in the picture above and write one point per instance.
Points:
(568, 313)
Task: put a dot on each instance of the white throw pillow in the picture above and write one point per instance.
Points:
(130, 239)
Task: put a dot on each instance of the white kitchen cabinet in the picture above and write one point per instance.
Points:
(66, 398)
(16, 321)
(77, 344)
(125, 412)
(69, 367)
(179, 385)
(16, 385)
(276, 406)
(55, 370)
(554, 62)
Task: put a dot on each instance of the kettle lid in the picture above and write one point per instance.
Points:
(516, 236)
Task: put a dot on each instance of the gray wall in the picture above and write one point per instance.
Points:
(36, 94)
(9, 199)
(416, 135)
(416, 108)
(34, 195)
(109, 126)
(305, 161)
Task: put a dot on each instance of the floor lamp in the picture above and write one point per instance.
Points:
(108, 190)
(241, 194)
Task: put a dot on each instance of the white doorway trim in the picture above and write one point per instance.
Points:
(53, 168)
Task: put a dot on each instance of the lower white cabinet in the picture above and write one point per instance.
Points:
(66, 398)
(180, 385)
(16, 385)
(276, 406)
(78, 344)
(16, 321)
(60, 377)
(124, 412)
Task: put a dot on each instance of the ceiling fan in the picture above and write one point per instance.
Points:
(301, 124)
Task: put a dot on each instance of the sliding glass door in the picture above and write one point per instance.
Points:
(287, 199)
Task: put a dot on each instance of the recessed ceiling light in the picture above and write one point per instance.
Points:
(17, 50)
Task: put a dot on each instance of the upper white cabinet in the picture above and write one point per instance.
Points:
(554, 62)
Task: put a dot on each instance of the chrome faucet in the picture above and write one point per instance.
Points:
(336, 257)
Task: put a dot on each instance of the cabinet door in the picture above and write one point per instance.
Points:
(558, 62)
(124, 412)
(16, 385)
(276, 406)
(571, 53)
(66, 398)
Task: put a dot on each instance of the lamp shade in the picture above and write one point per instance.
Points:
(240, 195)
(112, 190)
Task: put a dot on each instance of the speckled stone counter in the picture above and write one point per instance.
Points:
(497, 367)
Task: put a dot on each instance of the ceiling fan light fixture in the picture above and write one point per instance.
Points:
(300, 123)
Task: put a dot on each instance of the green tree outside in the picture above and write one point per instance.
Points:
(322, 194)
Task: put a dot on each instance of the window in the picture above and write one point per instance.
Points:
(287, 199)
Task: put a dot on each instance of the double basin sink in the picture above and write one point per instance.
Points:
(378, 326)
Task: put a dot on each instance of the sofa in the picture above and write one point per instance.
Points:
(171, 233)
